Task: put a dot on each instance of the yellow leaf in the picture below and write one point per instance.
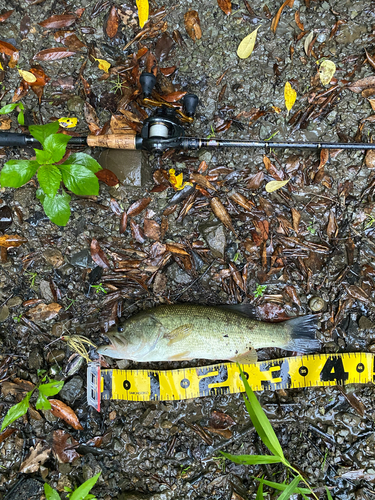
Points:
(290, 96)
(275, 185)
(177, 181)
(143, 8)
(68, 122)
(1, 67)
(103, 64)
(276, 109)
(246, 47)
(326, 71)
(27, 76)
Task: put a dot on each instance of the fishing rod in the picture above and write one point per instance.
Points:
(164, 130)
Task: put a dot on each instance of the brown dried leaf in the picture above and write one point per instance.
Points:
(192, 24)
(108, 177)
(370, 158)
(41, 77)
(4, 16)
(53, 54)
(173, 96)
(296, 216)
(332, 228)
(137, 232)
(63, 447)
(123, 222)
(221, 213)
(363, 83)
(255, 181)
(97, 255)
(58, 21)
(357, 293)
(69, 39)
(112, 23)
(25, 26)
(292, 292)
(137, 207)
(44, 312)
(324, 157)
(63, 411)
(9, 50)
(336, 27)
(5, 123)
(11, 240)
(37, 457)
(242, 201)
(5, 434)
(298, 20)
(201, 180)
(237, 277)
(176, 249)
(152, 229)
(225, 6)
(352, 399)
(220, 420)
(276, 19)
(272, 170)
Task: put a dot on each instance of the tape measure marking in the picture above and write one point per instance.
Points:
(318, 370)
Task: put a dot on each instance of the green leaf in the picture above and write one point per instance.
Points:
(85, 160)
(21, 118)
(259, 493)
(52, 388)
(56, 145)
(43, 156)
(281, 486)
(50, 493)
(79, 179)
(329, 496)
(290, 489)
(16, 173)
(252, 459)
(8, 108)
(42, 403)
(261, 423)
(81, 492)
(16, 411)
(41, 132)
(40, 194)
(49, 177)
(57, 208)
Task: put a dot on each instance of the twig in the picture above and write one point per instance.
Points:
(195, 281)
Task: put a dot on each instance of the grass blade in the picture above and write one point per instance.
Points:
(252, 459)
(329, 496)
(260, 492)
(282, 486)
(259, 419)
(290, 489)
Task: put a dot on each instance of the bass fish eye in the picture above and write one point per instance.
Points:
(120, 329)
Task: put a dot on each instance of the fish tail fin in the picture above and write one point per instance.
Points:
(302, 334)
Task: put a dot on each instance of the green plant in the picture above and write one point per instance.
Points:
(77, 172)
(260, 290)
(267, 434)
(32, 278)
(17, 319)
(118, 84)
(311, 229)
(80, 493)
(212, 133)
(370, 222)
(46, 389)
(98, 288)
(10, 107)
(71, 303)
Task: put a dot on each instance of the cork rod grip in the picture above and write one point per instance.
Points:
(112, 141)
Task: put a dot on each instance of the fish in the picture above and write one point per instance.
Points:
(187, 331)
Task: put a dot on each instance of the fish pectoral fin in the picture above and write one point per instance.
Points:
(248, 357)
(178, 334)
(180, 357)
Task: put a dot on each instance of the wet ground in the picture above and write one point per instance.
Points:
(313, 238)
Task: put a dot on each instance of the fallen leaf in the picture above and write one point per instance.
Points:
(173, 96)
(221, 213)
(27, 76)
(4, 16)
(336, 27)
(37, 457)
(298, 20)
(255, 181)
(276, 19)
(143, 11)
(152, 229)
(69, 39)
(352, 399)
(58, 21)
(225, 6)
(137, 232)
(290, 96)
(357, 293)
(176, 249)
(112, 22)
(372, 103)
(103, 64)
(370, 159)
(332, 225)
(63, 411)
(307, 42)
(220, 420)
(363, 83)
(63, 445)
(193, 25)
(242, 201)
(137, 207)
(108, 177)
(41, 77)
(324, 157)
(53, 54)
(97, 255)
(5, 434)
(246, 47)
(274, 185)
(9, 50)
(25, 26)
(201, 180)
(296, 217)
(11, 240)
(44, 312)
(326, 71)
(5, 123)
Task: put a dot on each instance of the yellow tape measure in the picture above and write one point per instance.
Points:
(224, 378)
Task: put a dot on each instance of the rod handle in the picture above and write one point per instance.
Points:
(112, 141)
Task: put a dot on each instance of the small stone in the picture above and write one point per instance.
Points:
(4, 313)
(112, 415)
(178, 275)
(82, 259)
(54, 257)
(365, 324)
(130, 449)
(214, 235)
(205, 156)
(72, 389)
(166, 424)
(55, 356)
(75, 104)
(130, 167)
(45, 291)
(25, 196)
(35, 359)
(122, 364)
(14, 302)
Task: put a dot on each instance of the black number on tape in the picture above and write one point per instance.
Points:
(333, 370)
(185, 383)
(303, 371)
(154, 386)
(204, 383)
(360, 367)
(126, 385)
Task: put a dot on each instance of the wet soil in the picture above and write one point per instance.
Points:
(153, 450)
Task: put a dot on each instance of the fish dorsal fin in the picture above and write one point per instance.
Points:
(247, 310)
(246, 358)
(179, 333)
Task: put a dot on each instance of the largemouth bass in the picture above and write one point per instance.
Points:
(184, 332)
